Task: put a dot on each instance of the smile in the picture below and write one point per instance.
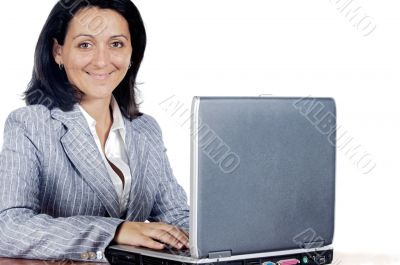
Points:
(99, 76)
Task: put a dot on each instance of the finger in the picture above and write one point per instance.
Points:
(185, 237)
(186, 232)
(150, 243)
(177, 233)
(167, 238)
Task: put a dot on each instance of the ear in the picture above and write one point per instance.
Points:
(57, 49)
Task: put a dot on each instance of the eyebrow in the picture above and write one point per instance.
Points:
(92, 36)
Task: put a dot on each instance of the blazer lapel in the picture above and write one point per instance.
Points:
(136, 144)
(82, 150)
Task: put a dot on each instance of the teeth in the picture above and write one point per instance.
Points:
(99, 76)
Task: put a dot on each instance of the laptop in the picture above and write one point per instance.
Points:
(262, 184)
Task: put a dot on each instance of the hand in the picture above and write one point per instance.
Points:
(151, 235)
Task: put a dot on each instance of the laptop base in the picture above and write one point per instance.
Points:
(120, 257)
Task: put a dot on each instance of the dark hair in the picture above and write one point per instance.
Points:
(49, 85)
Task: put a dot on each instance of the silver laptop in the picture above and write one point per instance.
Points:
(262, 184)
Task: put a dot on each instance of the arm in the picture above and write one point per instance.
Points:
(170, 205)
(169, 213)
(24, 232)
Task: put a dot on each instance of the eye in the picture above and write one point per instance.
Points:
(84, 45)
(117, 44)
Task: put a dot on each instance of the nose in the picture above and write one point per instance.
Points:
(101, 57)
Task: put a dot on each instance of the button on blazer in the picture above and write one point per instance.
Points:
(56, 198)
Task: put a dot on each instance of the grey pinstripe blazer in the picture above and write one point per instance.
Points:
(57, 200)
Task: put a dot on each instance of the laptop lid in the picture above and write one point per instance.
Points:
(263, 174)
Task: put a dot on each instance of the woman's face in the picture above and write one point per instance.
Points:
(96, 52)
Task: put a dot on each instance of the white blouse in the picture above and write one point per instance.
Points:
(115, 152)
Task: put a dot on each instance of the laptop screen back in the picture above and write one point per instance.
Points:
(263, 174)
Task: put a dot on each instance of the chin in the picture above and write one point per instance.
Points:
(99, 95)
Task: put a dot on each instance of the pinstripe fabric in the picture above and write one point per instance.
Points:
(57, 200)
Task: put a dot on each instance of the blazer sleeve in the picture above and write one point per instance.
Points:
(24, 231)
(170, 205)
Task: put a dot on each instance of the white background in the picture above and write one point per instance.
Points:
(284, 48)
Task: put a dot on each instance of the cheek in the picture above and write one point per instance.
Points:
(78, 62)
(121, 60)
(74, 68)
(122, 57)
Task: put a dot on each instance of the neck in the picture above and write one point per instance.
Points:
(99, 110)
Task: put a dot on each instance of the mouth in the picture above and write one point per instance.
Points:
(99, 76)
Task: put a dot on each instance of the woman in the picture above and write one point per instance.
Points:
(81, 167)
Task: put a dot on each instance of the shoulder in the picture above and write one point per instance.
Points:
(28, 126)
(147, 123)
(149, 127)
(29, 116)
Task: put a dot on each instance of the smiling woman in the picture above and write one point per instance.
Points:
(81, 167)
(95, 62)
(76, 34)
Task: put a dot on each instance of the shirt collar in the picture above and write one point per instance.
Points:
(118, 121)
(91, 122)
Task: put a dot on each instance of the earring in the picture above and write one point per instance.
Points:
(61, 66)
(130, 64)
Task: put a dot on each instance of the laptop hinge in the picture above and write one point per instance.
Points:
(220, 254)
